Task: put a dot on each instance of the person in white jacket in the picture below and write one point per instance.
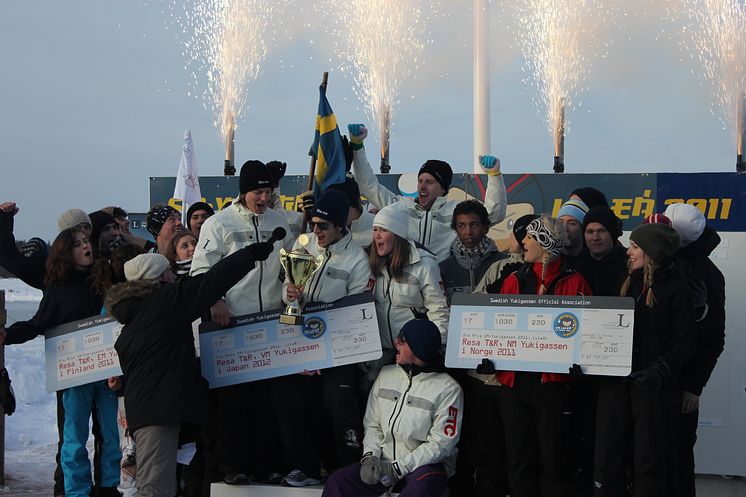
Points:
(247, 220)
(412, 423)
(429, 214)
(299, 399)
(408, 283)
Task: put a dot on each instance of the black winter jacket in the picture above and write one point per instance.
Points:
(73, 301)
(711, 330)
(156, 345)
(607, 274)
(667, 331)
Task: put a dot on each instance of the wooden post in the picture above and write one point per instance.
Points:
(3, 316)
(312, 169)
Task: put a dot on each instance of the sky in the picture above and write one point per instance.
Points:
(95, 100)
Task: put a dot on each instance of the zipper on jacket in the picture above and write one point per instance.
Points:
(395, 415)
(388, 312)
(261, 263)
(319, 274)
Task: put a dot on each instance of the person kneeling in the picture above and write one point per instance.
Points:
(412, 423)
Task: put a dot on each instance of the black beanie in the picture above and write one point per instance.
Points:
(658, 241)
(440, 170)
(520, 224)
(157, 215)
(591, 196)
(254, 175)
(199, 206)
(332, 206)
(423, 338)
(350, 188)
(605, 217)
(99, 219)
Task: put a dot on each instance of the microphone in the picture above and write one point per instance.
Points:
(277, 235)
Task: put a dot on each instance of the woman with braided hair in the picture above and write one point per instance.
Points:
(636, 414)
(536, 408)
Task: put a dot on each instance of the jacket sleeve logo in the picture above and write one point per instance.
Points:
(451, 422)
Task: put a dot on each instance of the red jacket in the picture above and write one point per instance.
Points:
(572, 284)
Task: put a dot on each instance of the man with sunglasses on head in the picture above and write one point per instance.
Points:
(344, 271)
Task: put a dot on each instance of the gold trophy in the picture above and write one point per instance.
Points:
(299, 267)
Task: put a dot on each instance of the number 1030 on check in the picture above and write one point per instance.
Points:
(506, 320)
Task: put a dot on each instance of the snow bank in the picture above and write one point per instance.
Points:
(18, 291)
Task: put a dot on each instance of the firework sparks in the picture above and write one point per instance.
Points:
(715, 37)
(225, 43)
(381, 41)
(559, 40)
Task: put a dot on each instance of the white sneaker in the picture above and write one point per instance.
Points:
(296, 478)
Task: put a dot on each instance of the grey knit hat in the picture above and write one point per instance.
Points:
(71, 218)
(145, 267)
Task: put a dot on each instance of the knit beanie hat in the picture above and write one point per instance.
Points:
(157, 215)
(255, 175)
(657, 218)
(145, 267)
(440, 170)
(332, 206)
(71, 218)
(574, 208)
(350, 188)
(546, 235)
(520, 224)
(605, 217)
(687, 220)
(591, 196)
(423, 338)
(99, 219)
(658, 241)
(394, 219)
(199, 206)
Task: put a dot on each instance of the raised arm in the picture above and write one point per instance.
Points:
(364, 175)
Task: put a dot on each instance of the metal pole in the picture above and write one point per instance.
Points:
(385, 126)
(481, 82)
(229, 168)
(741, 135)
(559, 139)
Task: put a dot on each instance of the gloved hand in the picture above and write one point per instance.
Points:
(260, 251)
(486, 367)
(33, 247)
(358, 133)
(9, 208)
(490, 164)
(388, 476)
(116, 243)
(369, 469)
(652, 378)
(277, 169)
(307, 199)
(576, 371)
(7, 397)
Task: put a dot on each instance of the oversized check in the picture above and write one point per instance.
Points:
(547, 333)
(258, 346)
(81, 352)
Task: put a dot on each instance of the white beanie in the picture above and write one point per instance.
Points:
(145, 267)
(393, 218)
(71, 218)
(687, 220)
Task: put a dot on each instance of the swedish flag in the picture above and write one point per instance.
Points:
(327, 147)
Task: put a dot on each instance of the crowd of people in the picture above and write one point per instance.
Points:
(404, 422)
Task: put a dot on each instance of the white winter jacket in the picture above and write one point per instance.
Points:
(421, 289)
(413, 420)
(362, 229)
(345, 271)
(230, 230)
(431, 228)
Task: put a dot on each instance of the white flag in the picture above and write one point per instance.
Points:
(187, 179)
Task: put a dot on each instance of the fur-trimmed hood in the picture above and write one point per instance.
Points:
(122, 299)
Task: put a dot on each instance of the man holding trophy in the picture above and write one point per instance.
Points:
(324, 266)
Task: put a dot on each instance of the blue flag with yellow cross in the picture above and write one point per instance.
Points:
(327, 147)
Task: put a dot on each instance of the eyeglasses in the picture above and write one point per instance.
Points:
(321, 225)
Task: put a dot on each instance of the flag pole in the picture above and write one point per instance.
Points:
(312, 169)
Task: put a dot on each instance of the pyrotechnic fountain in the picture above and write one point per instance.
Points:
(225, 46)
(559, 39)
(716, 38)
(381, 40)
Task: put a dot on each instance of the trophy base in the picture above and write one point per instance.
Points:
(291, 319)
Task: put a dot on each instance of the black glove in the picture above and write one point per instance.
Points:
(116, 243)
(369, 469)
(348, 152)
(576, 371)
(277, 169)
(486, 367)
(260, 251)
(652, 378)
(307, 200)
(33, 247)
(7, 398)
